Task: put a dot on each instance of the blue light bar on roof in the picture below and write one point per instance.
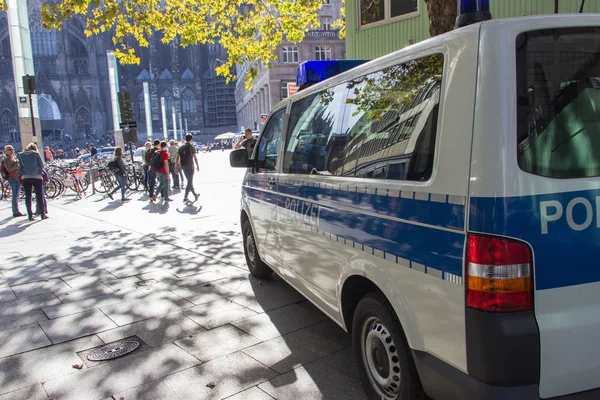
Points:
(472, 11)
(311, 72)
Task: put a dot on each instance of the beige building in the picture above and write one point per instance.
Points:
(277, 82)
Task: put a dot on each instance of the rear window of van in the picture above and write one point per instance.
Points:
(558, 102)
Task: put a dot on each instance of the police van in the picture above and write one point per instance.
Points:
(442, 204)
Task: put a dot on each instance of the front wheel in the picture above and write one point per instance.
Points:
(256, 266)
(385, 364)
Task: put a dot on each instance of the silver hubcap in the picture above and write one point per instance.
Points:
(250, 248)
(380, 356)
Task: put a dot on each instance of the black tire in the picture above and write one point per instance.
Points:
(256, 266)
(387, 370)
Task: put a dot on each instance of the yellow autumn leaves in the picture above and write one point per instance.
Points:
(249, 30)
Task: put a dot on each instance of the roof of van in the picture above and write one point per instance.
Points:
(423, 46)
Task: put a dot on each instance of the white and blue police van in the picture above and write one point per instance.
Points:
(442, 204)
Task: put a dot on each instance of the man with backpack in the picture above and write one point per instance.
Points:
(151, 155)
(186, 156)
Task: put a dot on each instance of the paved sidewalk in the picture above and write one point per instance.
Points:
(173, 276)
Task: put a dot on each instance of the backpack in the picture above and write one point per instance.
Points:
(4, 172)
(185, 155)
(113, 166)
(148, 156)
(156, 162)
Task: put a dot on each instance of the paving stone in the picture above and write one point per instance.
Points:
(35, 273)
(292, 350)
(217, 342)
(203, 293)
(145, 307)
(20, 340)
(120, 374)
(230, 374)
(6, 294)
(217, 313)
(314, 381)
(253, 393)
(18, 321)
(156, 331)
(88, 278)
(35, 392)
(159, 275)
(21, 306)
(279, 322)
(264, 296)
(62, 310)
(331, 331)
(96, 290)
(55, 285)
(76, 325)
(344, 361)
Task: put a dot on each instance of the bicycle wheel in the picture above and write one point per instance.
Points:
(107, 182)
(98, 183)
(78, 189)
(51, 189)
(6, 192)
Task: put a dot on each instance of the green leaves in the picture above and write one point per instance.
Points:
(249, 30)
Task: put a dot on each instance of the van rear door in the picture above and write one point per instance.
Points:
(558, 139)
(535, 178)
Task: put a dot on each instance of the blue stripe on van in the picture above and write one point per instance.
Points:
(431, 247)
(426, 211)
(568, 253)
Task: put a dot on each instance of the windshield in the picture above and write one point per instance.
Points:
(558, 102)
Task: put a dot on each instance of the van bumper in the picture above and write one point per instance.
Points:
(442, 381)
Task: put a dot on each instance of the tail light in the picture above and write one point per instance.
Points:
(499, 274)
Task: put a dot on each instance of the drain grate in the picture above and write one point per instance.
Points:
(113, 350)
(107, 352)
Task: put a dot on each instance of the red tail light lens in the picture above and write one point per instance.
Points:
(499, 274)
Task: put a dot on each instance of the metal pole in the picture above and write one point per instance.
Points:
(32, 118)
(174, 123)
(163, 109)
(555, 6)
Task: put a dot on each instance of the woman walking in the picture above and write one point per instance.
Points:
(119, 172)
(11, 164)
(30, 169)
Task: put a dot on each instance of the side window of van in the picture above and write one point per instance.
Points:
(558, 102)
(380, 126)
(312, 130)
(268, 147)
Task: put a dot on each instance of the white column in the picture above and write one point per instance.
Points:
(113, 82)
(22, 61)
(174, 112)
(148, 109)
(163, 109)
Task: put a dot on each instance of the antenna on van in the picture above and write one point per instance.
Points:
(581, 7)
(472, 11)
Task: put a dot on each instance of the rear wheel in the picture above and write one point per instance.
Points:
(385, 364)
(256, 266)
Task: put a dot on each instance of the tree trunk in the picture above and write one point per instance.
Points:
(442, 15)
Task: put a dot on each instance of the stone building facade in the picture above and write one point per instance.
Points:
(273, 84)
(73, 87)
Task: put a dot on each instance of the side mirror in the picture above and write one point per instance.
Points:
(239, 159)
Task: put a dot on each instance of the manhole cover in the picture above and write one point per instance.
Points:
(113, 350)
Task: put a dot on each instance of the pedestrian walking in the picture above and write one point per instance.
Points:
(186, 156)
(117, 166)
(172, 155)
(146, 164)
(48, 154)
(162, 173)
(30, 169)
(151, 168)
(10, 172)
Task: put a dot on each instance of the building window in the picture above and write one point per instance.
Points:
(378, 10)
(284, 90)
(327, 2)
(326, 23)
(290, 54)
(43, 43)
(323, 53)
